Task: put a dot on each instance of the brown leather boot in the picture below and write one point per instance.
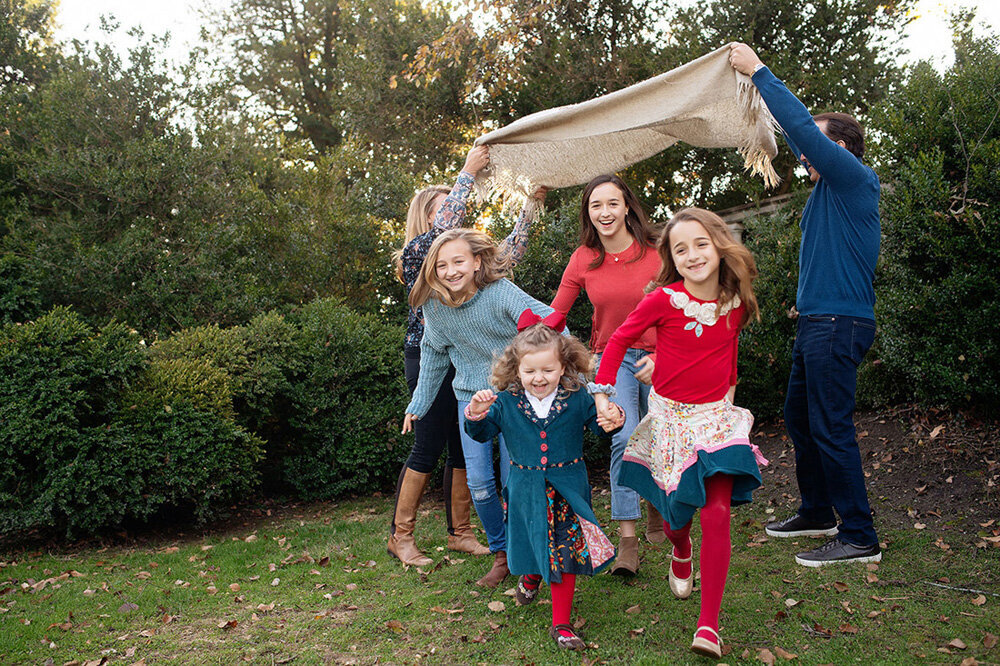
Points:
(654, 524)
(458, 510)
(409, 491)
(627, 562)
(499, 571)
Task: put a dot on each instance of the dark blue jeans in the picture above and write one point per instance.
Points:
(819, 415)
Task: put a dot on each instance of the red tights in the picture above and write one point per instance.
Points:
(716, 548)
(562, 597)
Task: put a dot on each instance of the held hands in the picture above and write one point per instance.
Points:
(478, 158)
(611, 424)
(481, 402)
(539, 195)
(742, 58)
(607, 410)
(645, 372)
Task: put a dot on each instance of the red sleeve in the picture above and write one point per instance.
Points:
(736, 349)
(569, 286)
(645, 315)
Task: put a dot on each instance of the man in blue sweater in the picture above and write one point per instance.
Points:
(836, 323)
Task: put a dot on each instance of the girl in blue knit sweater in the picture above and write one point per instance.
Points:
(470, 315)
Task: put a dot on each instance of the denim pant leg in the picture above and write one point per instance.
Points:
(832, 347)
(816, 504)
(633, 396)
(482, 483)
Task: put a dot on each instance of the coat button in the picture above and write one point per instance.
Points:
(542, 434)
(545, 447)
(545, 460)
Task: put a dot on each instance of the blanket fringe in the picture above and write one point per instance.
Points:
(759, 121)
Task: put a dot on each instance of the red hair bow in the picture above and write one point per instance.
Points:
(556, 321)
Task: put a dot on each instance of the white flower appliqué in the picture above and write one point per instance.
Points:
(704, 314)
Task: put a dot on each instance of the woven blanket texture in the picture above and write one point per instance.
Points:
(703, 103)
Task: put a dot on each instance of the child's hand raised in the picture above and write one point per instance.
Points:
(480, 403)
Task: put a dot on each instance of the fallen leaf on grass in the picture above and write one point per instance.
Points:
(395, 626)
(632, 610)
(127, 607)
(969, 661)
(937, 431)
(350, 587)
(871, 578)
(634, 633)
(958, 644)
(791, 603)
(989, 641)
(496, 606)
(235, 587)
(765, 656)
(784, 654)
(167, 619)
(148, 633)
(848, 629)
(979, 600)
(227, 624)
(265, 608)
(251, 538)
(919, 526)
(275, 582)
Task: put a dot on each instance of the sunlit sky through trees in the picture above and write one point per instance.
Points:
(928, 36)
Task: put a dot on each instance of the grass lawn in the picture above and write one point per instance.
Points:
(313, 584)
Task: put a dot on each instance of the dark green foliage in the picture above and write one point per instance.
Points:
(937, 283)
(20, 299)
(92, 435)
(347, 402)
(766, 346)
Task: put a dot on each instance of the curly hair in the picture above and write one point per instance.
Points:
(493, 266)
(576, 359)
(737, 269)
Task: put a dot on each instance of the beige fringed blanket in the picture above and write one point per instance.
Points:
(704, 103)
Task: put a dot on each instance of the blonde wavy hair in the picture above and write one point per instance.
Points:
(737, 269)
(576, 359)
(418, 220)
(493, 266)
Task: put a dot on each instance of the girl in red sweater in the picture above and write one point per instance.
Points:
(614, 263)
(692, 450)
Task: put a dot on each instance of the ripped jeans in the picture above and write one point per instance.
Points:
(482, 482)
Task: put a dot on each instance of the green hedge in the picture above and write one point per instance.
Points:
(94, 435)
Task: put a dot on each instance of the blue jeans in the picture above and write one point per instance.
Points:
(633, 396)
(482, 482)
(819, 416)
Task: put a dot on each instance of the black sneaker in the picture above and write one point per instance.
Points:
(836, 551)
(797, 526)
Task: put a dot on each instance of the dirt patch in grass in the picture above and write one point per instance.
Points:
(923, 468)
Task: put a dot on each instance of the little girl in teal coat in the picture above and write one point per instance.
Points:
(552, 531)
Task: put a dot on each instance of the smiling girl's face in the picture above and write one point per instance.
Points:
(456, 267)
(540, 371)
(696, 258)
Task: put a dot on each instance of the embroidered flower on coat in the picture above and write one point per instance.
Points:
(704, 314)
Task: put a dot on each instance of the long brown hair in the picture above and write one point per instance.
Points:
(492, 267)
(737, 269)
(576, 359)
(636, 221)
(418, 220)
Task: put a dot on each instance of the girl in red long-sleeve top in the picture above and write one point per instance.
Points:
(692, 450)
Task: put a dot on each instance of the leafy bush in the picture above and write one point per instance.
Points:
(347, 402)
(19, 296)
(937, 284)
(93, 435)
(766, 346)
